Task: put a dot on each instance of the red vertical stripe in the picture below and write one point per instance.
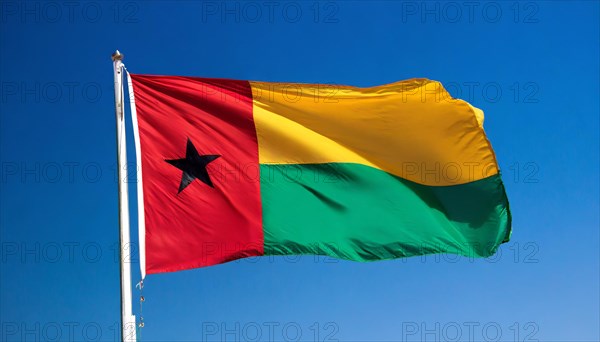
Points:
(200, 226)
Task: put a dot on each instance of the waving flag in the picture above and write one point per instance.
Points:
(233, 169)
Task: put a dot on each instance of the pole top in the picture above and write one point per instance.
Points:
(117, 56)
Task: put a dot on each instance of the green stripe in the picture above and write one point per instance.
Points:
(356, 212)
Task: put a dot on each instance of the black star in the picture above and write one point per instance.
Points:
(193, 166)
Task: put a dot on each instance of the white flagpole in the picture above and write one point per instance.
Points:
(128, 328)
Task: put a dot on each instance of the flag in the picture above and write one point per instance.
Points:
(233, 169)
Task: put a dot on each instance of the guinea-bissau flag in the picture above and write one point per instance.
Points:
(233, 169)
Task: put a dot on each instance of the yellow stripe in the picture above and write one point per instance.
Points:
(412, 129)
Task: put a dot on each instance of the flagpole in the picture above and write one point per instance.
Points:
(128, 328)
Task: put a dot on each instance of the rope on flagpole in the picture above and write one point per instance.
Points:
(140, 285)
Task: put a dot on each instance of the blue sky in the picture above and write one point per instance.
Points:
(531, 66)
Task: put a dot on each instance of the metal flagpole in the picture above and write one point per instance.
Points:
(128, 328)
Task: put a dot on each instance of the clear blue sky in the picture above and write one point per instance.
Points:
(532, 67)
